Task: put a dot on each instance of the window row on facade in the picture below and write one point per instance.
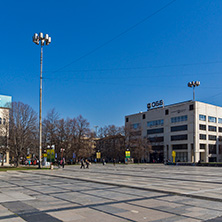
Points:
(211, 119)
(178, 137)
(212, 148)
(210, 137)
(210, 128)
(160, 122)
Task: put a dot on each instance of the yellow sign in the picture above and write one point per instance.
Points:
(173, 155)
(98, 155)
(127, 154)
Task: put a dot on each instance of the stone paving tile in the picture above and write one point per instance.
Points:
(67, 215)
(177, 219)
(14, 219)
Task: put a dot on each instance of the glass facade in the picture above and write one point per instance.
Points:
(159, 122)
(212, 137)
(219, 120)
(155, 131)
(212, 149)
(178, 119)
(203, 136)
(212, 119)
(156, 139)
(202, 146)
(135, 126)
(179, 137)
(202, 117)
(202, 127)
(212, 128)
(5, 101)
(178, 128)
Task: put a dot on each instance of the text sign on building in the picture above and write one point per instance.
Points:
(155, 104)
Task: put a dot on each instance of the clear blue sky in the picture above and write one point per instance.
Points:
(155, 60)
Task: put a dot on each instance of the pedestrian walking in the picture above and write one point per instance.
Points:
(114, 162)
(87, 164)
(63, 162)
(82, 163)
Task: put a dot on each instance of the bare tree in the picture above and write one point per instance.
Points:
(22, 130)
(50, 128)
(83, 135)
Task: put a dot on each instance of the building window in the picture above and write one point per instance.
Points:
(179, 147)
(212, 128)
(158, 148)
(202, 117)
(220, 149)
(212, 119)
(4, 121)
(212, 149)
(135, 126)
(220, 138)
(203, 137)
(212, 137)
(179, 137)
(156, 139)
(202, 127)
(144, 116)
(155, 123)
(178, 128)
(166, 111)
(191, 107)
(127, 119)
(220, 129)
(202, 146)
(154, 131)
(178, 119)
(219, 120)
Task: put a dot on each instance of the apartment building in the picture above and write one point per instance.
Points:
(192, 129)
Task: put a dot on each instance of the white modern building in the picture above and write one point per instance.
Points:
(192, 129)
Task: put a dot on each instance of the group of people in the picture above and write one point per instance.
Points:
(83, 163)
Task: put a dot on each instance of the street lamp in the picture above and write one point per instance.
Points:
(42, 40)
(193, 84)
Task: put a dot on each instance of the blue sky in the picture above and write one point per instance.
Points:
(153, 61)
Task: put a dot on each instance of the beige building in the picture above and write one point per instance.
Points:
(5, 104)
(175, 127)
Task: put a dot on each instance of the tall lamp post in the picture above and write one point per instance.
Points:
(42, 40)
(194, 84)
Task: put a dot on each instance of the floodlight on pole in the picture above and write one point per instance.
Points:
(42, 40)
(193, 84)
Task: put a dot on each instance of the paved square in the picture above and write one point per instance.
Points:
(112, 193)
